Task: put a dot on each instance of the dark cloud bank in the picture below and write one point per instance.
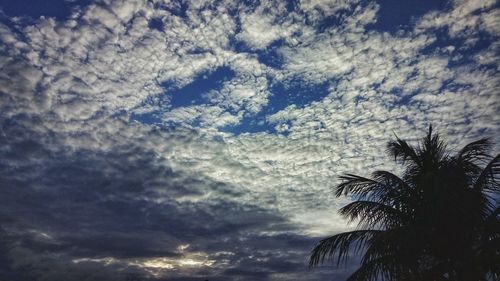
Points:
(103, 215)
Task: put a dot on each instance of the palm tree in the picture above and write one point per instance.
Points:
(439, 221)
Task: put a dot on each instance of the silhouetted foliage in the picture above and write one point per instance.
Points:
(439, 221)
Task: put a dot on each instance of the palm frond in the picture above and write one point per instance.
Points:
(390, 178)
(356, 185)
(402, 151)
(339, 245)
(373, 214)
(432, 149)
(384, 187)
(396, 189)
(401, 242)
(474, 151)
(385, 267)
(489, 177)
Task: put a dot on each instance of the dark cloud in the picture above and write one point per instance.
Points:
(62, 208)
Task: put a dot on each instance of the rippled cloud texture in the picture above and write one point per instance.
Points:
(193, 140)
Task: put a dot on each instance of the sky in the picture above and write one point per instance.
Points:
(201, 140)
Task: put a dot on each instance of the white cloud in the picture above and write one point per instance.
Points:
(88, 72)
(465, 18)
(260, 29)
(319, 9)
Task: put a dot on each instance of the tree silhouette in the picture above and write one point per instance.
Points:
(439, 221)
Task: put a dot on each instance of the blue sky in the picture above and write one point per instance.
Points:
(193, 140)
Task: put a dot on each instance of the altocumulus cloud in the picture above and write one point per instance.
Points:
(193, 140)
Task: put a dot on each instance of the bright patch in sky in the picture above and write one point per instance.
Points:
(130, 129)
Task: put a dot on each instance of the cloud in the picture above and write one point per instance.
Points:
(464, 19)
(91, 193)
(263, 26)
(317, 10)
(119, 209)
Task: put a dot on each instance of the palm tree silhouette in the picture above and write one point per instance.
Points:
(439, 221)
